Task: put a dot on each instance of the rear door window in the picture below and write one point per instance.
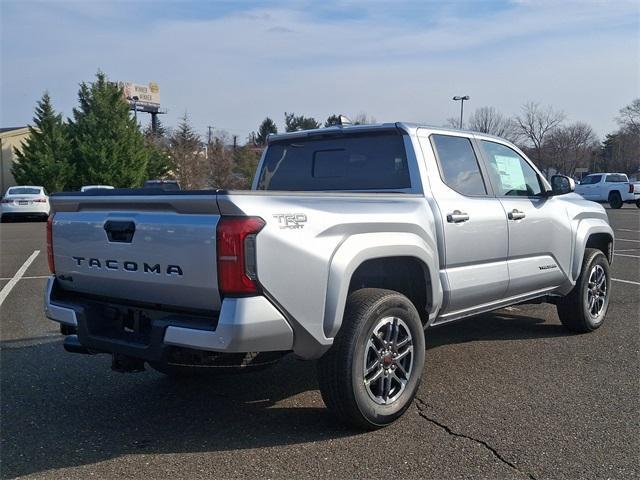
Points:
(591, 179)
(343, 163)
(458, 164)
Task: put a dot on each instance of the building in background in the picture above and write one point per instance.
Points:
(10, 138)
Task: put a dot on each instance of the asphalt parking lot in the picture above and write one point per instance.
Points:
(506, 395)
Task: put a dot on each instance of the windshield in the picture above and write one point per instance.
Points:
(376, 161)
(23, 191)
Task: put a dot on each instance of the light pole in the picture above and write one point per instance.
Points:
(135, 107)
(462, 99)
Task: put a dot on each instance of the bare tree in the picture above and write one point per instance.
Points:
(571, 146)
(621, 149)
(363, 119)
(489, 120)
(629, 118)
(452, 122)
(221, 165)
(534, 124)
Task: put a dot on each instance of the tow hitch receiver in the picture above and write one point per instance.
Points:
(125, 364)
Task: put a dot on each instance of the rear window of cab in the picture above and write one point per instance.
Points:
(376, 161)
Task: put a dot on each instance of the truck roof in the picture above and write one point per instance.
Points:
(376, 127)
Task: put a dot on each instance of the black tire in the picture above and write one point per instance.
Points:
(615, 200)
(223, 365)
(341, 371)
(574, 309)
(638, 203)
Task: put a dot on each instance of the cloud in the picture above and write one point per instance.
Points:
(395, 61)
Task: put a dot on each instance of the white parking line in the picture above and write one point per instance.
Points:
(37, 277)
(626, 230)
(627, 240)
(625, 255)
(625, 281)
(6, 290)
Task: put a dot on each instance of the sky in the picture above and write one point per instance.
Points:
(229, 64)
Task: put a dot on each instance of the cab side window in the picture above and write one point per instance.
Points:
(511, 175)
(459, 167)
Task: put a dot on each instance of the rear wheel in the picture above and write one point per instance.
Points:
(615, 200)
(638, 203)
(584, 308)
(371, 374)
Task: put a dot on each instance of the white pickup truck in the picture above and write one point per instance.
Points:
(614, 188)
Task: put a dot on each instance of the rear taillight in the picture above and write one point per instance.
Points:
(41, 200)
(237, 254)
(6, 200)
(631, 188)
(52, 265)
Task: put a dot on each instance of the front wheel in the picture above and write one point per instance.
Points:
(638, 203)
(584, 308)
(371, 374)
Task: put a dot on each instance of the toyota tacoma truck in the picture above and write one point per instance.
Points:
(614, 188)
(353, 242)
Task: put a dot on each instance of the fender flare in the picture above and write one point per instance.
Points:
(587, 227)
(367, 246)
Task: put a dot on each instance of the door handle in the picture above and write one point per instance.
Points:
(457, 217)
(120, 231)
(516, 214)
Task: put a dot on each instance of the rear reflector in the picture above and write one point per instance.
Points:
(631, 188)
(237, 254)
(52, 265)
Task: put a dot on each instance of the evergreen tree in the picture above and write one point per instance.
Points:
(266, 127)
(187, 156)
(294, 123)
(44, 157)
(108, 146)
(157, 143)
(332, 120)
(246, 160)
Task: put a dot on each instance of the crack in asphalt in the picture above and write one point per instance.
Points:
(422, 406)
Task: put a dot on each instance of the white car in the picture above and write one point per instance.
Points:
(25, 201)
(86, 188)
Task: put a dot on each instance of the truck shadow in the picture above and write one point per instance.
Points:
(517, 323)
(61, 410)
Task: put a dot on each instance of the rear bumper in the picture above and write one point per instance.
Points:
(34, 209)
(248, 324)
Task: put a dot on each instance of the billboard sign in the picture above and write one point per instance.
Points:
(146, 97)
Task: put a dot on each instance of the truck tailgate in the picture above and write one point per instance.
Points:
(151, 249)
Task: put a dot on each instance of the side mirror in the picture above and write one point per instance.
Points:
(561, 184)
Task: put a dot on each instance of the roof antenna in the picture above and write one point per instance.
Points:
(344, 120)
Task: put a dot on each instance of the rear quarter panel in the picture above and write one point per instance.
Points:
(306, 267)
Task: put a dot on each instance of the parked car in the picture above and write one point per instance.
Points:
(25, 201)
(353, 241)
(613, 188)
(86, 188)
(166, 185)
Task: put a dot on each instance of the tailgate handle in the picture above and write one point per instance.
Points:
(120, 231)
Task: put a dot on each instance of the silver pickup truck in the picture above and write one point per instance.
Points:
(352, 243)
